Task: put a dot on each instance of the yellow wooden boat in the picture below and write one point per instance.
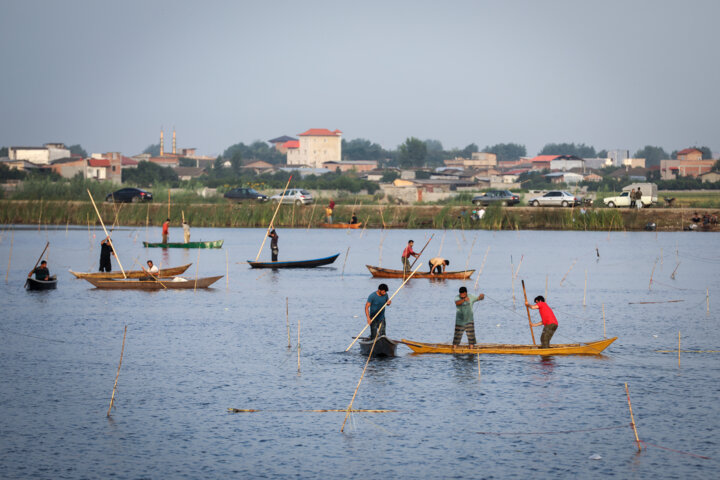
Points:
(163, 272)
(589, 348)
(340, 225)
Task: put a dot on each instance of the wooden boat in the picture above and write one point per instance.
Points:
(590, 348)
(384, 347)
(211, 244)
(163, 272)
(390, 273)
(162, 284)
(340, 225)
(33, 284)
(296, 264)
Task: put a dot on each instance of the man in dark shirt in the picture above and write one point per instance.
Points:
(274, 245)
(105, 252)
(41, 272)
(375, 303)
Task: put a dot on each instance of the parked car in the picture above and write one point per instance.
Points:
(125, 195)
(555, 198)
(502, 197)
(298, 196)
(649, 195)
(241, 193)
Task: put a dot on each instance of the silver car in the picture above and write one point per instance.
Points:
(555, 198)
(298, 196)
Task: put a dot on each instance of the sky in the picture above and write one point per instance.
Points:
(110, 75)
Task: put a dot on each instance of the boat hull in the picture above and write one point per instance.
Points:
(152, 284)
(384, 347)
(211, 244)
(340, 225)
(163, 272)
(391, 273)
(296, 264)
(33, 284)
(590, 348)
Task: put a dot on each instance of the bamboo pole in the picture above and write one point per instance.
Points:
(168, 202)
(312, 213)
(298, 346)
(367, 219)
(482, 266)
(12, 240)
(672, 275)
(382, 308)
(343, 269)
(479, 373)
(568, 272)
(603, 313)
(197, 271)
(367, 362)
(585, 289)
(382, 217)
(106, 233)
(528, 312)
(651, 275)
(632, 419)
(512, 281)
(442, 241)
(382, 239)
(273, 218)
(287, 321)
(117, 375)
(467, 261)
(40, 216)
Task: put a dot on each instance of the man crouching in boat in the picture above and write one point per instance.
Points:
(374, 303)
(547, 319)
(464, 321)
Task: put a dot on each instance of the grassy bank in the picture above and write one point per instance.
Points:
(259, 215)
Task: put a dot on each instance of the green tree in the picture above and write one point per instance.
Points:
(580, 150)
(507, 151)
(412, 153)
(602, 154)
(148, 173)
(361, 149)
(153, 150)
(218, 164)
(77, 150)
(469, 150)
(3, 152)
(652, 155)
(716, 166)
(257, 150)
(389, 176)
(434, 153)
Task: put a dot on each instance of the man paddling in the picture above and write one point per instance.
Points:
(464, 321)
(374, 303)
(407, 253)
(41, 272)
(547, 319)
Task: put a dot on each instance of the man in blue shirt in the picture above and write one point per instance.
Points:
(375, 302)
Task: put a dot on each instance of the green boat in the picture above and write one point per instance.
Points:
(213, 244)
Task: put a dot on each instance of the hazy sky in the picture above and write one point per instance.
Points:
(109, 75)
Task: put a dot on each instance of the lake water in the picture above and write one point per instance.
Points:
(189, 356)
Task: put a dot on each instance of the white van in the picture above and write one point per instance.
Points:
(649, 195)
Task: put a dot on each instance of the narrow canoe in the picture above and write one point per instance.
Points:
(390, 273)
(384, 347)
(296, 264)
(163, 284)
(340, 225)
(590, 348)
(212, 244)
(163, 272)
(33, 284)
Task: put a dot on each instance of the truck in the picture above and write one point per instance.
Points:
(649, 195)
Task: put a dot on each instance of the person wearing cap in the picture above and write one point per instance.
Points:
(375, 303)
(464, 321)
(274, 250)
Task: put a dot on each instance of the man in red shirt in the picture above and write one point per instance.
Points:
(547, 319)
(165, 227)
(406, 256)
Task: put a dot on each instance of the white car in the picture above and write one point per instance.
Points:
(554, 198)
(298, 196)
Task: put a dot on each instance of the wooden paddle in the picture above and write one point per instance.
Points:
(38, 261)
(528, 312)
(381, 309)
(273, 218)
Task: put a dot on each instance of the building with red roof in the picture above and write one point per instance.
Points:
(315, 147)
(692, 154)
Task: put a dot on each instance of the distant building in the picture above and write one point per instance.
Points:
(618, 157)
(564, 177)
(710, 177)
(350, 165)
(477, 160)
(689, 154)
(315, 147)
(674, 168)
(172, 159)
(69, 167)
(258, 166)
(561, 162)
(39, 155)
(279, 143)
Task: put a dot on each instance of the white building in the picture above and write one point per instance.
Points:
(39, 155)
(315, 147)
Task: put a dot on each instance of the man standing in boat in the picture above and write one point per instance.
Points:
(165, 230)
(41, 272)
(353, 219)
(547, 319)
(407, 253)
(186, 231)
(274, 250)
(464, 321)
(437, 265)
(374, 303)
(105, 252)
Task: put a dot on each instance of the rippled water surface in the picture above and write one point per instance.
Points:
(189, 356)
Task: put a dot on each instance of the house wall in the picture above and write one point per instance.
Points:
(563, 164)
(40, 156)
(693, 156)
(315, 150)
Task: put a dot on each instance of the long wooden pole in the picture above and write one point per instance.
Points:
(528, 312)
(382, 308)
(287, 320)
(298, 345)
(107, 234)
(273, 218)
(168, 202)
(421, 251)
(36, 263)
(632, 419)
(117, 375)
(342, 275)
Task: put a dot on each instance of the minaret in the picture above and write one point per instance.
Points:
(162, 143)
(173, 140)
